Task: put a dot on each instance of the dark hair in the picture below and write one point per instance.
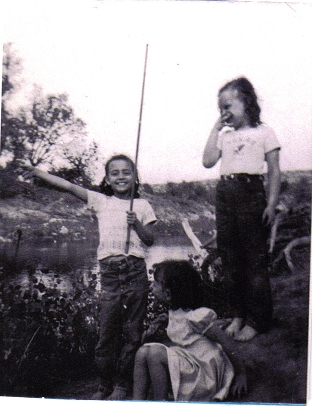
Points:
(248, 96)
(106, 188)
(184, 283)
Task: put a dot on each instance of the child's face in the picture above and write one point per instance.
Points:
(232, 109)
(121, 178)
(159, 292)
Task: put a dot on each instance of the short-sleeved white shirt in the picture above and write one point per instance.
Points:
(243, 151)
(113, 226)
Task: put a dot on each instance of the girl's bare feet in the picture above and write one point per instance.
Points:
(118, 394)
(102, 393)
(235, 326)
(247, 333)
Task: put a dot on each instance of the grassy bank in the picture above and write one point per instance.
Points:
(45, 214)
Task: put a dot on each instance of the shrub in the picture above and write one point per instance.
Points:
(9, 185)
(196, 191)
(47, 335)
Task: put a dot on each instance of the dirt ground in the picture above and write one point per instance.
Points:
(276, 362)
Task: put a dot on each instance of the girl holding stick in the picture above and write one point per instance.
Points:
(124, 281)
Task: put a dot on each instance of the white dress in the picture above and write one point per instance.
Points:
(199, 368)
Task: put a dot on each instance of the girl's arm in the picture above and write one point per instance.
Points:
(216, 333)
(274, 184)
(145, 233)
(211, 152)
(63, 184)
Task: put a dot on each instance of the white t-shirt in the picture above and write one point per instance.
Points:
(112, 218)
(243, 151)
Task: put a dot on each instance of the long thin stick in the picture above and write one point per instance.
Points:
(137, 151)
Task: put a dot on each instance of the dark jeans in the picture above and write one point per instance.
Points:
(242, 245)
(124, 286)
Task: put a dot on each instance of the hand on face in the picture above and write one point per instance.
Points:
(225, 118)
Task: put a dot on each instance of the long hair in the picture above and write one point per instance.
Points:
(183, 282)
(248, 96)
(106, 188)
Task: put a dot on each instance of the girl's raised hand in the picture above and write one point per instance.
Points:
(24, 169)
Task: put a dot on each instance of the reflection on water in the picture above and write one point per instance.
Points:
(50, 279)
(54, 265)
(160, 253)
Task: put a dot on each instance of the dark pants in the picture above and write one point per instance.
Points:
(242, 245)
(124, 286)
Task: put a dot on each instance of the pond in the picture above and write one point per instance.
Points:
(49, 304)
(55, 264)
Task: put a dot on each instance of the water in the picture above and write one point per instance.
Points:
(54, 265)
(159, 253)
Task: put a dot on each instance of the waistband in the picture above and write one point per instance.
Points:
(118, 259)
(242, 177)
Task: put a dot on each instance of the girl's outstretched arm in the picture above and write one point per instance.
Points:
(63, 184)
(211, 152)
(216, 333)
(274, 185)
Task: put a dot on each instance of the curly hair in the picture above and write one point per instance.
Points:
(106, 189)
(183, 282)
(248, 96)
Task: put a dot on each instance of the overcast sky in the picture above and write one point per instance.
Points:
(94, 51)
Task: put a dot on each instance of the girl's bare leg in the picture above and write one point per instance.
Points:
(141, 377)
(159, 371)
(151, 366)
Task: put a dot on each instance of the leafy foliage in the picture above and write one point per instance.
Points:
(38, 133)
(9, 187)
(11, 67)
(191, 191)
(82, 162)
(46, 131)
(47, 334)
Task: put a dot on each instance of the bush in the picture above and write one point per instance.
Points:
(196, 191)
(302, 190)
(9, 185)
(148, 189)
(47, 335)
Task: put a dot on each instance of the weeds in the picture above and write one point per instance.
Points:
(47, 334)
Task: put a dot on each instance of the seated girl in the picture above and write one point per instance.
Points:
(201, 362)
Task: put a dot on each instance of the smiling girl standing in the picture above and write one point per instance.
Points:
(124, 281)
(243, 213)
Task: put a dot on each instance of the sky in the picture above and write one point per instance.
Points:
(94, 51)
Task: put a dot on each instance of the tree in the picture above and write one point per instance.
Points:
(46, 131)
(82, 160)
(11, 68)
(50, 124)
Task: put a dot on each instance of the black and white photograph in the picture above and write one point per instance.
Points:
(155, 201)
